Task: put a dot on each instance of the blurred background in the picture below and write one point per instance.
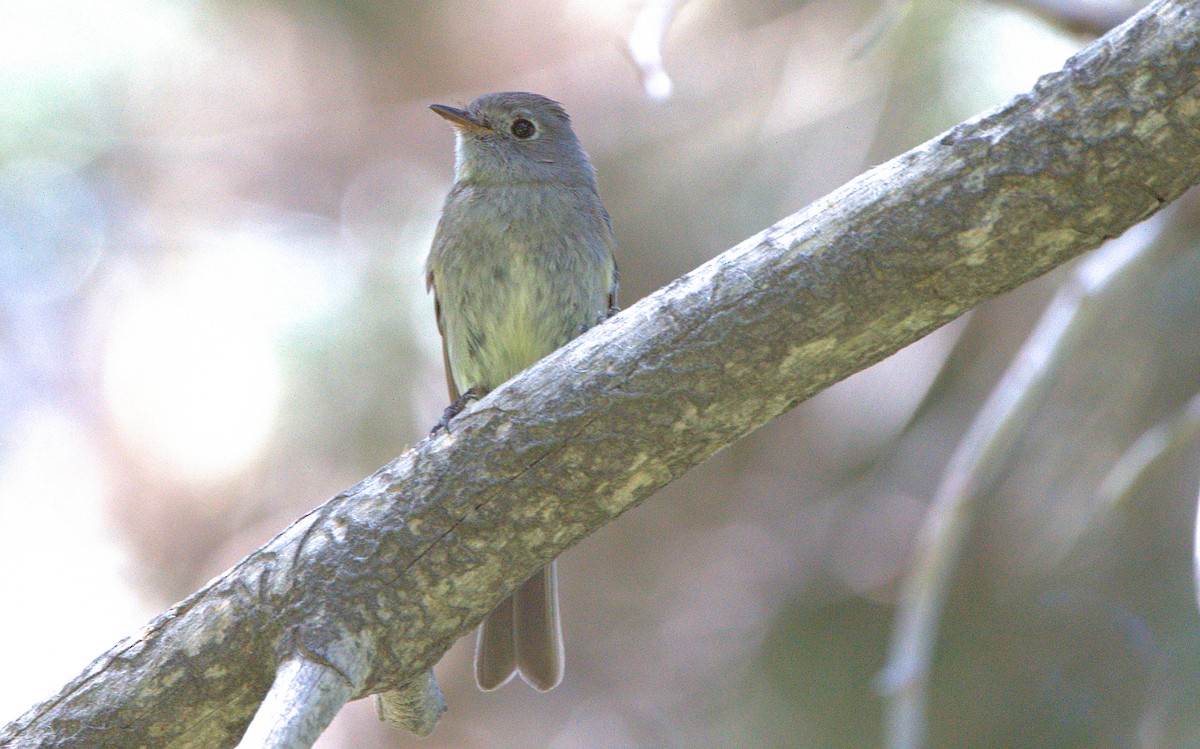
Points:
(213, 218)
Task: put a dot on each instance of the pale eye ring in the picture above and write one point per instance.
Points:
(523, 128)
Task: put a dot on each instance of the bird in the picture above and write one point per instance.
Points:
(522, 262)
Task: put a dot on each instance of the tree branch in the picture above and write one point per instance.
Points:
(303, 700)
(378, 582)
(1092, 17)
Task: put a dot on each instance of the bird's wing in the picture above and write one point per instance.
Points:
(612, 290)
(616, 276)
(431, 285)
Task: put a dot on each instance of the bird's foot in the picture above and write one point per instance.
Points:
(455, 408)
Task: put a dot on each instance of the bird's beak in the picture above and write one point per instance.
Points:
(458, 117)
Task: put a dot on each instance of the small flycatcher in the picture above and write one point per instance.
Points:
(522, 262)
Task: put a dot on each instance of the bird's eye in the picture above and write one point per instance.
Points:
(523, 128)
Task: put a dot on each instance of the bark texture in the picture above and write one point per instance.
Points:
(378, 582)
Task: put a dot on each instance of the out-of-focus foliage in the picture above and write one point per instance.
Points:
(213, 217)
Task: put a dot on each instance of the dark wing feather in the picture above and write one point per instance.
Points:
(612, 292)
(437, 311)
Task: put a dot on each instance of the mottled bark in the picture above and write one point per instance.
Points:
(377, 583)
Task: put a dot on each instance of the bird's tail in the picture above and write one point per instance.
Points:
(523, 635)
